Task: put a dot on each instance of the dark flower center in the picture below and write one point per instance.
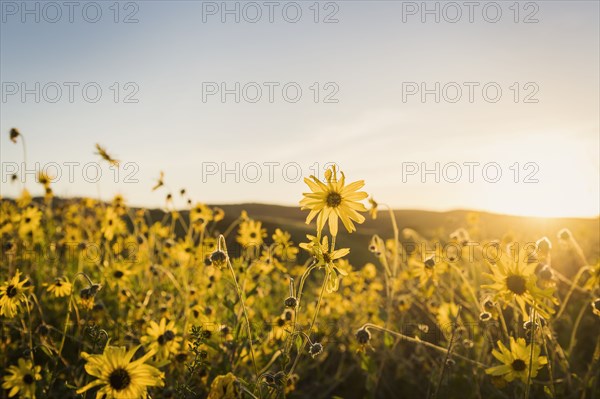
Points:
(429, 263)
(28, 379)
(169, 335)
(11, 291)
(326, 257)
(119, 379)
(518, 365)
(516, 284)
(166, 337)
(333, 200)
(118, 274)
(27, 220)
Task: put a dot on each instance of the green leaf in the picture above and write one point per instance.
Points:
(388, 340)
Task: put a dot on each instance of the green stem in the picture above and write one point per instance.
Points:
(533, 319)
(30, 331)
(573, 285)
(573, 339)
(421, 342)
(448, 352)
(396, 240)
(223, 247)
(314, 319)
(67, 321)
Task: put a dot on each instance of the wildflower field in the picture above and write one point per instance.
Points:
(102, 300)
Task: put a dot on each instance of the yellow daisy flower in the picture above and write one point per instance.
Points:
(427, 271)
(119, 376)
(30, 221)
(251, 233)
(513, 277)
(72, 236)
(112, 224)
(225, 387)
(284, 248)
(446, 317)
(60, 288)
(266, 263)
(325, 259)
(21, 379)
(201, 214)
(333, 200)
(162, 338)
(517, 361)
(118, 273)
(12, 294)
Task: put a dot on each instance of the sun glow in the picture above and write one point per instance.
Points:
(544, 175)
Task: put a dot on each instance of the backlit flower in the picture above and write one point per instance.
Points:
(21, 379)
(334, 200)
(162, 338)
(326, 258)
(12, 294)
(513, 277)
(118, 375)
(60, 288)
(516, 361)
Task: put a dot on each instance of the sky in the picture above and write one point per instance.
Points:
(435, 105)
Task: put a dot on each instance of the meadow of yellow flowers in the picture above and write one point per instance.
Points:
(100, 300)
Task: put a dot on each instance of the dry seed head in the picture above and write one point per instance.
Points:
(363, 336)
(485, 316)
(290, 302)
(565, 234)
(315, 349)
(544, 245)
(14, 133)
(218, 259)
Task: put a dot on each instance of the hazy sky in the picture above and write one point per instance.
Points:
(361, 80)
